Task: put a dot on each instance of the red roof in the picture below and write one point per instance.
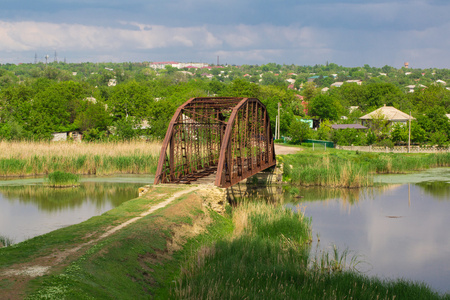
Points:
(164, 63)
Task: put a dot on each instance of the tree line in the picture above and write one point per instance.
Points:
(37, 99)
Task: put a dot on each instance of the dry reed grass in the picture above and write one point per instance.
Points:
(38, 158)
(25, 150)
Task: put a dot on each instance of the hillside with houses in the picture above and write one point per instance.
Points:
(112, 101)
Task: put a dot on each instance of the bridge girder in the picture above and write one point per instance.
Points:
(228, 135)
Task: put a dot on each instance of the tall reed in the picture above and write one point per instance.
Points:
(268, 258)
(269, 245)
(347, 169)
(38, 158)
(5, 241)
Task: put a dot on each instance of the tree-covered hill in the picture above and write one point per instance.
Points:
(99, 99)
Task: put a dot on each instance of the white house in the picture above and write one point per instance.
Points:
(358, 82)
(337, 84)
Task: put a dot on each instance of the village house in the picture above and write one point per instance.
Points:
(388, 113)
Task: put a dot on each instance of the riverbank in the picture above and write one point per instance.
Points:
(169, 244)
(352, 169)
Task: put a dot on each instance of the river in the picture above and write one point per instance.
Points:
(397, 230)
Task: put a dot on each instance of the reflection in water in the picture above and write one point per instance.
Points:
(54, 199)
(401, 230)
(30, 209)
(271, 193)
(438, 189)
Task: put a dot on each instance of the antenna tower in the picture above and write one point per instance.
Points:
(56, 58)
(46, 59)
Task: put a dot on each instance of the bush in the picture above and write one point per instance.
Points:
(61, 179)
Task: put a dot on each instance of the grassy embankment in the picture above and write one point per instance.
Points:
(257, 251)
(39, 158)
(350, 169)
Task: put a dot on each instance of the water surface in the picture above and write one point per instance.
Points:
(29, 209)
(400, 230)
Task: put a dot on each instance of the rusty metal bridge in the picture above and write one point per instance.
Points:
(229, 137)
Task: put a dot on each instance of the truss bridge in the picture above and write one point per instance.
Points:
(226, 137)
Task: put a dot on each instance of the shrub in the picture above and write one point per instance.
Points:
(61, 179)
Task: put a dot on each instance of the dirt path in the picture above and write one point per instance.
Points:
(281, 150)
(20, 274)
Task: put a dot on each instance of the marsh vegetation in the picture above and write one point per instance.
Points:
(350, 169)
(39, 158)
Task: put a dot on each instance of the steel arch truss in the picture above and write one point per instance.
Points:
(229, 135)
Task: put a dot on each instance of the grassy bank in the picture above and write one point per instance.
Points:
(139, 261)
(350, 169)
(38, 158)
(268, 257)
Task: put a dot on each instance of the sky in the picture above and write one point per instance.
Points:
(350, 33)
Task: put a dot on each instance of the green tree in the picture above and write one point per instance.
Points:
(399, 133)
(241, 88)
(129, 99)
(125, 129)
(310, 91)
(326, 107)
(299, 131)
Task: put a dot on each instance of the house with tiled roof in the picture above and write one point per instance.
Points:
(388, 113)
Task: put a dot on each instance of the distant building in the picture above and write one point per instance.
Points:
(161, 65)
(337, 84)
(178, 65)
(64, 136)
(412, 87)
(290, 80)
(348, 126)
(357, 81)
(112, 82)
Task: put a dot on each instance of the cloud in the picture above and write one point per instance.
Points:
(347, 32)
(23, 36)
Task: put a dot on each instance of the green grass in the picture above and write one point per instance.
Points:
(269, 259)
(350, 169)
(82, 164)
(135, 262)
(61, 179)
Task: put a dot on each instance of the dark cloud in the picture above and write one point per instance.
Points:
(348, 32)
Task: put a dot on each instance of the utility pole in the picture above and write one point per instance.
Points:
(276, 127)
(409, 133)
(279, 120)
